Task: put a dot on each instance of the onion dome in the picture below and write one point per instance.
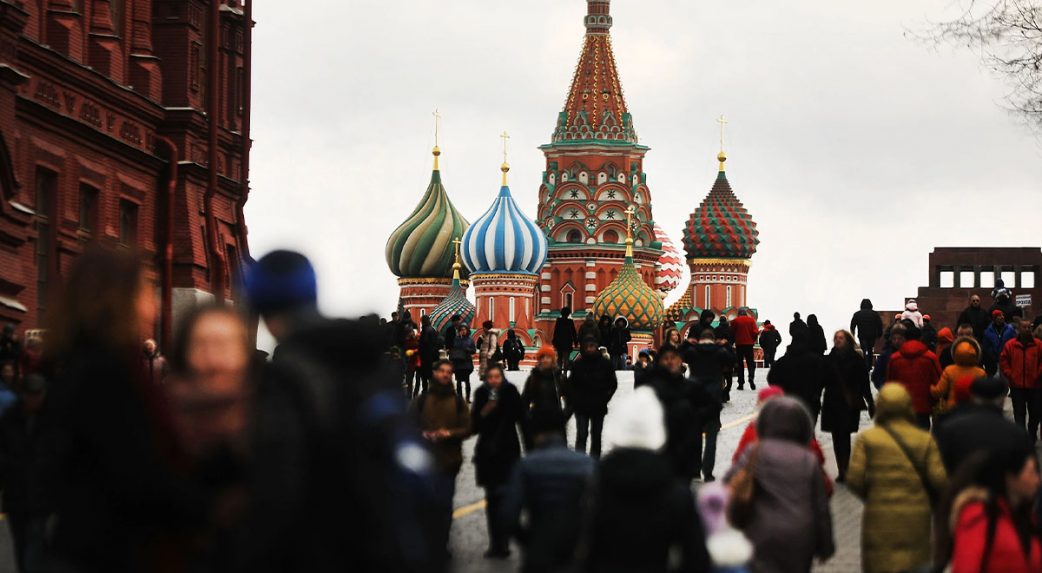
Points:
(421, 247)
(504, 240)
(454, 303)
(721, 228)
(670, 266)
(628, 296)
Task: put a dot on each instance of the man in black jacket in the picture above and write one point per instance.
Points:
(565, 338)
(802, 374)
(867, 326)
(978, 426)
(976, 316)
(707, 362)
(591, 385)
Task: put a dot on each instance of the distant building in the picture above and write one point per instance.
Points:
(123, 122)
(958, 272)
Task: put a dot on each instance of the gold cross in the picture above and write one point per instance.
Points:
(723, 122)
(505, 137)
(457, 242)
(437, 125)
(629, 223)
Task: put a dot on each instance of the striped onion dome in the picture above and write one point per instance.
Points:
(670, 268)
(421, 247)
(504, 240)
(454, 303)
(721, 227)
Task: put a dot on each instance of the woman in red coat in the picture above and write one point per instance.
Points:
(992, 525)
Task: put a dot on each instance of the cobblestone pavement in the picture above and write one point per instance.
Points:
(469, 537)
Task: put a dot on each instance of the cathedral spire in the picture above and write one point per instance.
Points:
(598, 16)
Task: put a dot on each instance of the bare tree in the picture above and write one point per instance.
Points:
(1008, 34)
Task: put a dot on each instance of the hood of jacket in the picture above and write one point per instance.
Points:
(707, 317)
(894, 403)
(966, 351)
(913, 349)
(973, 494)
(866, 304)
(912, 306)
(945, 335)
(768, 327)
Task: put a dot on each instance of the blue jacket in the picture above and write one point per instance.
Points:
(995, 341)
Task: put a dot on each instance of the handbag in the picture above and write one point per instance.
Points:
(743, 492)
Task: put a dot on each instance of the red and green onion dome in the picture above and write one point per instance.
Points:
(455, 303)
(670, 268)
(630, 297)
(422, 247)
(721, 228)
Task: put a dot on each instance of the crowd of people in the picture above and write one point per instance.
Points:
(342, 450)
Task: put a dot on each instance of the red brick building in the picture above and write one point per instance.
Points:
(123, 122)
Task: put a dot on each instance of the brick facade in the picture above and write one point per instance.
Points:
(105, 107)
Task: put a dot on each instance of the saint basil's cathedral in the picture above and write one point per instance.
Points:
(593, 246)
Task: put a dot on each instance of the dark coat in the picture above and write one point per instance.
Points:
(620, 337)
(565, 337)
(542, 394)
(770, 338)
(978, 318)
(591, 385)
(971, 428)
(430, 345)
(686, 406)
(802, 374)
(27, 464)
(117, 456)
(462, 355)
(929, 336)
(605, 332)
(847, 391)
(640, 515)
(497, 448)
(513, 349)
(866, 324)
(818, 342)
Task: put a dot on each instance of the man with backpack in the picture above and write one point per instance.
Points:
(444, 421)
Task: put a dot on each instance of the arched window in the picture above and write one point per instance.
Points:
(574, 236)
(492, 309)
(728, 296)
(709, 303)
(611, 236)
(513, 301)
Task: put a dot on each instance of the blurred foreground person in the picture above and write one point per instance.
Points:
(778, 493)
(548, 485)
(123, 501)
(443, 419)
(990, 527)
(368, 460)
(495, 417)
(847, 394)
(896, 469)
(640, 514)
(978, 425)
(27, 474)
(591, 385)
(155, 363)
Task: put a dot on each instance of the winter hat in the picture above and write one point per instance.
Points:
(786, 419)
(963, 389)
(912, 306)
(945, 335)
(898, 316)
(545, 351)
(768, 393)
(281, 280)
(996, 313)
(927, 318)
(988, 388)
(638, 422)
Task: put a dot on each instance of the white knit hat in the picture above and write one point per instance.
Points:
(638, 421)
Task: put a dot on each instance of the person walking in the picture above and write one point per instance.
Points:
(686, 405)
(966, 353)
(725, 337)
(513, 351)
(746, 333)
(847, 394)
(913, 314)
(978, 425)
(770, 340)
(589, 327)
(542, 392)
(779, 501)
(945, 340)
(451, 330)
(619, 343)
(867, 326)
(413, 365)
(896, 469)
(1021, 365)
(430, 350)
(497, 414)
(488, 348)
(817, 335)
(591, 385)
(462, 357)
(801, 373)
(797, 327)
(917, 369)
(976, 316)
(929, 333)
(996, 336)
(991, 527)
(641, 516)
(442, 417)
(564, 338)
(550, 485)
(155, 363)
(707, 361)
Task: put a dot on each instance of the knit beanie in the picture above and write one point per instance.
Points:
(281, 281)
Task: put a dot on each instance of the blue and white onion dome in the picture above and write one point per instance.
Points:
(504, 240)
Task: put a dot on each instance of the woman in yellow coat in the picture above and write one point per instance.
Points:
(895, 469)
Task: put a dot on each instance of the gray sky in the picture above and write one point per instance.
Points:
(856, 149)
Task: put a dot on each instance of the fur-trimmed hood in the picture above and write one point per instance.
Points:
(965, 498)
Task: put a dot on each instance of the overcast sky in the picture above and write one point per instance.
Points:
(856, 149)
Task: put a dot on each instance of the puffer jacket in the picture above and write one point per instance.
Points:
(895, 534)
(912, 313)
(745, 330)
(995, 340)
(591, 385)
(917, 369)
(966, 352)
(969, 524)
(1021, 363)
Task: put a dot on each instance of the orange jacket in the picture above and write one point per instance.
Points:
(966, 352)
